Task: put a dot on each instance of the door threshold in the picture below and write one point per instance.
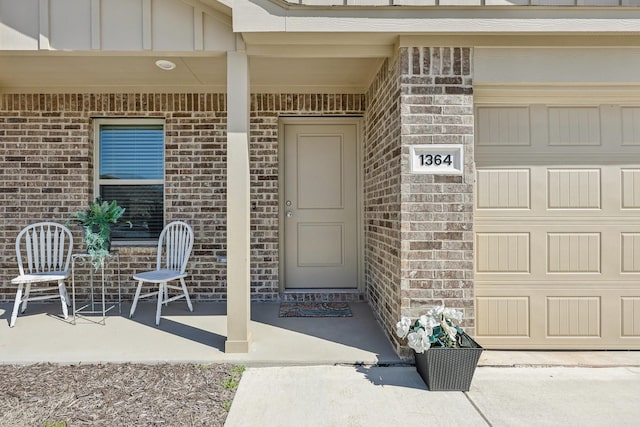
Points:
(323, 295)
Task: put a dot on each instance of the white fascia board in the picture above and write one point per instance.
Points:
(266, 16)
(320, 51)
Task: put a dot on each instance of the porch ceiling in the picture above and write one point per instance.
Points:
(71, 73)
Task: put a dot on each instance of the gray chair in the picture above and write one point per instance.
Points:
(174, 248)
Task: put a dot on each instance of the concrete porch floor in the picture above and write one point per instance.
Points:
(41, 335)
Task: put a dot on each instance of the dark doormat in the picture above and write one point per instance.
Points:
(315, 309)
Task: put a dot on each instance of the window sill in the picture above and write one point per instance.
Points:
(134, 244)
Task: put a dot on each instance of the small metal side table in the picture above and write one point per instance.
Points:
(83, 259)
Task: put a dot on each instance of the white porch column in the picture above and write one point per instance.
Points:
(238, 203)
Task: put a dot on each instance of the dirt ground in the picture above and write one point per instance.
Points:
(116, 395)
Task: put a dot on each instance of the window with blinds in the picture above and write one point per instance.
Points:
(130, 170)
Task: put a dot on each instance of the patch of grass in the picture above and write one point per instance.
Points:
(227, 405)
(230, 383)
(57, 424)
(238, 369)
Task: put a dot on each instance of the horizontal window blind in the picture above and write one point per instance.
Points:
(143, 218)
(131, 152)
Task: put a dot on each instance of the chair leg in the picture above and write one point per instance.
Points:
(63, 299)
(166, 295)
(25, 298)
(66, 295)
(186, 294)
(161, 293)
(135, 299)
(16, 305)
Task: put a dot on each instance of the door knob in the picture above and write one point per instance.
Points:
(289, 214)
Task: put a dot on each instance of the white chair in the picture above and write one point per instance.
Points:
(43, 251)
(174, 245)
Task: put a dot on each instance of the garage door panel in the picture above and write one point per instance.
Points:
(562, 191)
(557, 135)
(573, 188)
(502, 252)
(630, 125)
(630, 250)
(503, 189)
(503, 316)
(557, 227)
(573, 316)
(574, 125)
(630, 188)
(560, 252)
(503, 126)
(573, 253)
(630, 316)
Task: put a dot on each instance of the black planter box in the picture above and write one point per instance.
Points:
(448, 369)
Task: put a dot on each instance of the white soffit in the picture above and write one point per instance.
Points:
(285, 75)
(65, 73)
(72, 74)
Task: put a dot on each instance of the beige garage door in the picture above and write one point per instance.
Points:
(557, 226)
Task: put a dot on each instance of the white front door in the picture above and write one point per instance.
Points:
(320, 206)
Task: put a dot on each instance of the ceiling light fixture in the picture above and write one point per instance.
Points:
(163, 64)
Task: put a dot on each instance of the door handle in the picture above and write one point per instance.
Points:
(289, 214)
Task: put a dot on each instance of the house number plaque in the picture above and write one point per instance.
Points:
(440, 159)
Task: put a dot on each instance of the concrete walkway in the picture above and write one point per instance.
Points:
(319, 396)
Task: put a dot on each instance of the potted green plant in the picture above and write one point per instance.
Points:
(97, 220)
(446, 357)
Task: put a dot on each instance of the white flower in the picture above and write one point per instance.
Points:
(403, 326)
(440, 325)
(436, 311)
(449, 330)
(453, 314)
(428, 323)
(419, 341)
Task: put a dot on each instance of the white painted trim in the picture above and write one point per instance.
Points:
(96, 29)
(238, 205)
(207, 9)
(146, 25)
(320, 51)
(516, 40)
(556, 94)
(198, 29)
(252, 16)
(315, 120)
(43, 39)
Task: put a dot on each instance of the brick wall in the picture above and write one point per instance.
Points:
(418, 236)
(382, 171)
(46, 159)
(437, 210)
(46, 165)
